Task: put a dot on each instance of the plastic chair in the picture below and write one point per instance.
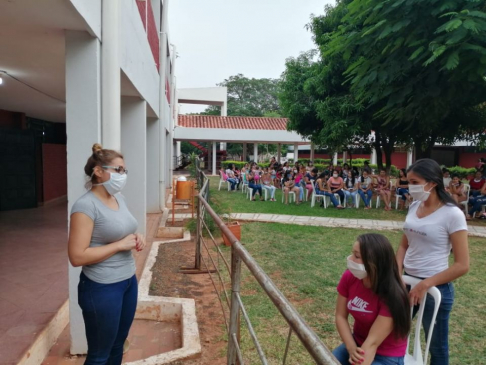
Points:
(417, 358)
(291, 195)
(244, 183)
(222, 180)
(467, 187)
(315, 197)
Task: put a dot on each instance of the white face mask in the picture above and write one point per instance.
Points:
(417, 192)
(115, 184)
(335, 175)
(358, 270)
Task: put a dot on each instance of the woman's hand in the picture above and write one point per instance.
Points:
(418, 292)
(140, 242)
(128, 243)
(356, 356)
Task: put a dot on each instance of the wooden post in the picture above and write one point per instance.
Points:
(235, 305)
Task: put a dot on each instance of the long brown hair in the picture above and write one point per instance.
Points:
(99, 157)
(382, 269)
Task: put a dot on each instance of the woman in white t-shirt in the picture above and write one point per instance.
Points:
(434, 225)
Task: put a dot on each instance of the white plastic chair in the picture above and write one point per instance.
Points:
(417, 358)
(222, 181)
(467, 188)
(317, 197)
(291, 195)
(244, 183)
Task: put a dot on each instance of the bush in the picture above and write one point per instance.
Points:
(462, 172)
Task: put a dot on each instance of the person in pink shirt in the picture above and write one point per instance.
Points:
(373, 293)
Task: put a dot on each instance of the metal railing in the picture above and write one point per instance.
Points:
(314, 346)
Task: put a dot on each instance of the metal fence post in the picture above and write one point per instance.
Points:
(235, 305)
(197, 263)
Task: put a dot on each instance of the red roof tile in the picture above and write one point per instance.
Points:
(213, 121)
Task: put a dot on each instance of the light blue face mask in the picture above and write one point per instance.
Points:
(115, 184)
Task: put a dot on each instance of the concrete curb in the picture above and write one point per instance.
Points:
(167, 309)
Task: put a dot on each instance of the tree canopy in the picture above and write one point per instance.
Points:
(411, 70)
(249, 97)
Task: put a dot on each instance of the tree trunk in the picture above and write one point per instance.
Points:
(388, 147)
(379, 154)
(420, 151)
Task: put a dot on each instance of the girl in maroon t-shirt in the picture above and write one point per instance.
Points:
(373, 293)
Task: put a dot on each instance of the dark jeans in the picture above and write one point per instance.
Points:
(477, 204)
(331, 196)
(233, 182)
(366, 196)
(340, 192)
(402, 192)
(342, 355)
(256, 188)
(108, 312)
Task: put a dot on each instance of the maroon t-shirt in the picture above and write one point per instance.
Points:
(365, 307)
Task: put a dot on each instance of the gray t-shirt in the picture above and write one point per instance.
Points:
(109, 226)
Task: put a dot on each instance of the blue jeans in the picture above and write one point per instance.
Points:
(477, 204)
(342, 355)
(351, 196)
(402, 192)
(256, 188)
(232, 182)
(439, 344)
(366, 196)
(108, 312)
(330, 195)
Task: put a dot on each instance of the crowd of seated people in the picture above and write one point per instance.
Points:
(341, 184)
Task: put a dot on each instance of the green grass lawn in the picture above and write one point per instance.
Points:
(235, 202)
(306, 264)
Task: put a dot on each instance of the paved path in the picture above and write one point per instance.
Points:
(476, 231)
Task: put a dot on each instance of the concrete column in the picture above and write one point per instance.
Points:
(214, 158)
(168, 160)
(178, 150)
(210, 159)
(245, 147)
(373, 157)
(296, 152)
(255, 152)
(312, 150)
(83, 128)
(153, 156)
(134, 147)
(110, 75)
(279, 152)
(162, 106)
(409, 157)
(335, 158)
(345, 157)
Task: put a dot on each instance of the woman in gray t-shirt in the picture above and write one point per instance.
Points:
(101, 236)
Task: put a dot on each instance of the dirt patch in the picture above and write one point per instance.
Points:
(169, 281)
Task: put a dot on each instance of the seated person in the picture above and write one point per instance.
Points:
(322, 188)
(267, 184)
(299, 181)
(383, 188)
(456, 189)
(446, 178)
(253, 183)
(477, 203)
(288, 186)
(231, 178)
(351, 189)
(373, 293)
(476, 183)
(401, 187)
(336, 184)
(365, 187)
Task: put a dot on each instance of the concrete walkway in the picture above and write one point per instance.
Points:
(475, 231)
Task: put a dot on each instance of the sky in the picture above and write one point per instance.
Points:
(216, 39)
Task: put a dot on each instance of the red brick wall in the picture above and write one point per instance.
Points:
(469, 159)
(54, 164)
(153, 36)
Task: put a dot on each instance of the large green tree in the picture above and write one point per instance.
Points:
(421, 62)
(321, 106)
(248, 97)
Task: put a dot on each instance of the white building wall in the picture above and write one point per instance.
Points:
(83, 128)
(136, 58)
(90, 11)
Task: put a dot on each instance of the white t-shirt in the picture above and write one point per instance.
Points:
(429, 244)
(230, 173)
